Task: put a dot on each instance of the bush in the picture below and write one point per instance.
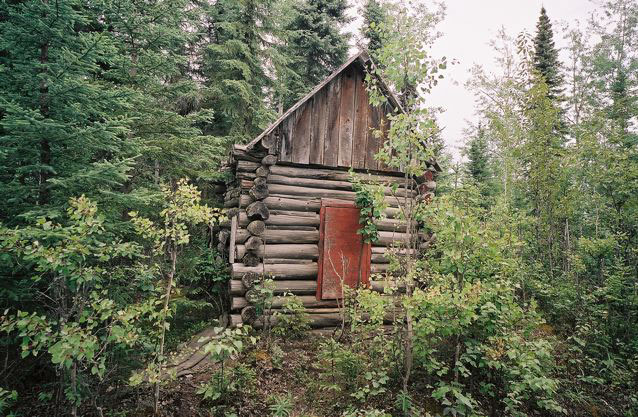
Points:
(292, 321)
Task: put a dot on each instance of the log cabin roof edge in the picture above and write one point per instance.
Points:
(364, 58)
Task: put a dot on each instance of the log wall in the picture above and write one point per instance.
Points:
(277, 229)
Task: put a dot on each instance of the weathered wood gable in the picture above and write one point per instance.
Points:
(333, 125)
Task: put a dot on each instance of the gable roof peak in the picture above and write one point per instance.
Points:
(364, 59)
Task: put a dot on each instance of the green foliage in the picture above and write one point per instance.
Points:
(292, 321)
(7, 400)
(314, 45)
(240, 381)
(373, 18)
(370, 199)
(479, 165)
(546, 56)
(470, 304)
(228, 343)
(232, 66)
(281, 405)
(85, 324)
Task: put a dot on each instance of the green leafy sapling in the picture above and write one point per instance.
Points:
(227, 344)
(370, 200)
(70, 265)
(292, 320)
(182, 208)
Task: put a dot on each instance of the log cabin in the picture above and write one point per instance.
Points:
(291, 205)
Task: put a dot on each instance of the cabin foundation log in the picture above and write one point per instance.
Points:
(296, 287)
(308, 301)
(285, 251)
(283, 236)
(277, 271)
(317, 320)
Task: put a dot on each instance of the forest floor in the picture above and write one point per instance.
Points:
(296, 379)
(299, 365)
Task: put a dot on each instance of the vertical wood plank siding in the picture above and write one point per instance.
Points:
(361, 105)
(301, 134)
(331, 144)
(335, 127)
(372, 146)
(346, 117)
(319, 123)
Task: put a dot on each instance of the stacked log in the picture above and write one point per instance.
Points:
(277, 229)
(253, 169)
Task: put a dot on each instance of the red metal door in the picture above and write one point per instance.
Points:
(342, 253)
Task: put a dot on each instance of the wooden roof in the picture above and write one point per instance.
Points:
(334, 125)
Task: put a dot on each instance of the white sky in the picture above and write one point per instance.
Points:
(468, 27)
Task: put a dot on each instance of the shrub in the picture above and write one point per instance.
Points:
(292, 321)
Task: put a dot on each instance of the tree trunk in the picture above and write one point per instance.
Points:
(74, 387)
(169, 288)
(44, 193)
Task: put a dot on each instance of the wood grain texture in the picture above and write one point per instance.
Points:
(277, 271)
(233, 239)
(309, 301)
(287, 203)
(346, 117)
(372, 144)
(343, 257)
(285, 251)
(331, 174)
(285, 144)
(331, 142)
(360, 134)
(328, 184)
(290, 236)
(301, 133)
(384, 125)
(281, 220)
(319, 123)
(297, 287)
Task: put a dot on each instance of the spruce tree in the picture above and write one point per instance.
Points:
(314, 44)
(232, 65)
(373, 17)
(546, 61)
(63, 125)
(479, 168)
(478, 158)
(156, 40)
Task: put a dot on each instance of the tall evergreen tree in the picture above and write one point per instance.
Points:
(63, 125)
(479, 167)
(232, 66)
(314, 44)
(478, 157)
(546, 56)
(373, 17)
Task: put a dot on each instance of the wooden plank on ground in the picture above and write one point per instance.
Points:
(233, 235)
